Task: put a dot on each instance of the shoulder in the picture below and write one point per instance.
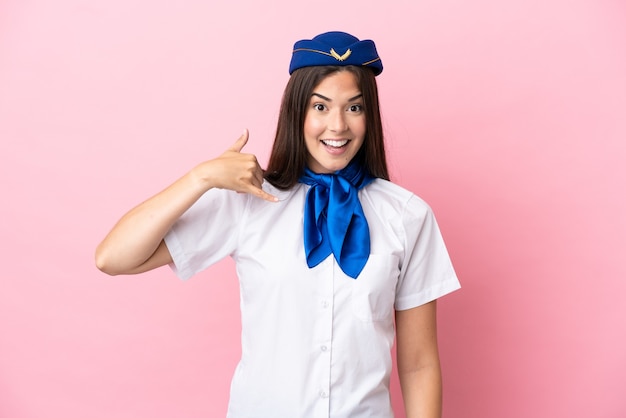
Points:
(280, 193)
(286, 199)
(218, 196)
(386, 196)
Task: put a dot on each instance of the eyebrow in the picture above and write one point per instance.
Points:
(358, 96)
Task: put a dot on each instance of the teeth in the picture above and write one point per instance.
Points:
(335, 144)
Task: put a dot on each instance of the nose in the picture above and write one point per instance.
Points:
(337, 121)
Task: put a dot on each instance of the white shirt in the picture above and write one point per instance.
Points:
(315, 342)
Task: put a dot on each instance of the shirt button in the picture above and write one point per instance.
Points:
(324, 348)
(325, 304)
(323, 394)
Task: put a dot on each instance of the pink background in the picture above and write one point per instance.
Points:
(508, 117)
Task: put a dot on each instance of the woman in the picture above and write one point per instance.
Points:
(329, 253)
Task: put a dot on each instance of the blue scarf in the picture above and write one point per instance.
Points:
(334, 221)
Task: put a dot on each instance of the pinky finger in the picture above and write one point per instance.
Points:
(263, 194)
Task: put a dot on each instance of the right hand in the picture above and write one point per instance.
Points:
(234, 170)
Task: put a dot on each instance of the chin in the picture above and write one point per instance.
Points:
(327, 168)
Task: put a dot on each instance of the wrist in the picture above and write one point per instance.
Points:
(202, 177)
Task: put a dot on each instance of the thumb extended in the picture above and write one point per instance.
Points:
(240, 142)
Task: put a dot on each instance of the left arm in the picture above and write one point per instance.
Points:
(418, 361)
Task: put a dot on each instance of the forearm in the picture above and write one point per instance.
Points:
(418, 361)
(422, 391)
(138, 234)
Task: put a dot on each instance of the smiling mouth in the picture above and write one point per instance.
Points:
(335, 143)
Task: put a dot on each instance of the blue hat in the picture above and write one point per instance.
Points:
(335, 48)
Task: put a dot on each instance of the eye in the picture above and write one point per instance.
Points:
(356, 108)
(319, 107)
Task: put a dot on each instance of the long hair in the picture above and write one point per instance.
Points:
(289, 154)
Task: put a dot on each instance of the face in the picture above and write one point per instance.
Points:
(334, 126)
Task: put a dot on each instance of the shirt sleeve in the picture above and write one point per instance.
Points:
(426, 272)
(206, 233)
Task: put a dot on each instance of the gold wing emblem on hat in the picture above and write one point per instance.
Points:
(338, 57)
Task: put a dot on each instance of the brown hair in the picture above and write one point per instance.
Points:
(289, 153)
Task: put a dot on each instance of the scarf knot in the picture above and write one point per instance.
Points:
(334, 222)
